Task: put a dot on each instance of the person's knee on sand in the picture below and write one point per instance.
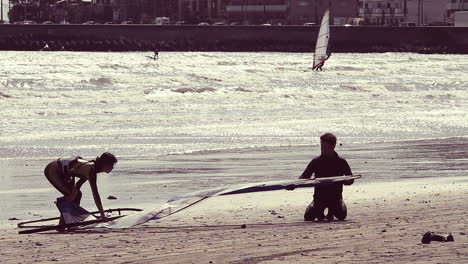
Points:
(314, 211)
(338, 209)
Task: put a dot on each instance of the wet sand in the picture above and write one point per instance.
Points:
(385, 222)
(138, 182)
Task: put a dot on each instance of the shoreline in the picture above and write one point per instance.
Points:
(154, 181)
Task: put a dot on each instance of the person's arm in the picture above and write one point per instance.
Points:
(347, 171)
(307, 174)
(79, 183)
(94, 189)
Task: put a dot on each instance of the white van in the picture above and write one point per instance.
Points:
(162, 21)
(460, 19)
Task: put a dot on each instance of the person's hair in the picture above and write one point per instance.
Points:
(328, 138)
(105, 158)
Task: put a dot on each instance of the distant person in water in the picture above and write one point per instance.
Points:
(62, 173)
(329, 196)
(155, 55)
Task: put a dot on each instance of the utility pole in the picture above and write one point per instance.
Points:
(422, 12)
(244, 13)
(419, 13)
(264, 12)
(405, 10)
(316, 12)
(1, 10)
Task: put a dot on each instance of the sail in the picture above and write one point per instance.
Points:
(321, 47)
(182, 202)
(73, 213)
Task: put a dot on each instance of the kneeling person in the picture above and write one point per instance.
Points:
(328, 164)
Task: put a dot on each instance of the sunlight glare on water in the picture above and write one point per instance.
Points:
(65, 102)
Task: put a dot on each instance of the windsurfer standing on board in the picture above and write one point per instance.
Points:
(329, 196)
(62, 173)
(155, 55)
(321, 63)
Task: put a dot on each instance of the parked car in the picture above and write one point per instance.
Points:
(219, 24)
(266, 24)
(64, 22)
(126, 22)
(407, 24)
(203, 24)
(234, 24)
(438, 24)
(26, 22)
(310, 24)
(180, 23)
(47, 22)
(162, 21)
(89, 23)
(108, 23)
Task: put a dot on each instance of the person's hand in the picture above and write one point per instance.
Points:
(348, 182)
(104, 218)
(290, 187)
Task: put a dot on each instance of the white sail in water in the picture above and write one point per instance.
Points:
(321, 47)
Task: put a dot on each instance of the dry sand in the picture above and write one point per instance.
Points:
(385, 223)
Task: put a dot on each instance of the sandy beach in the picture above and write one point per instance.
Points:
(385, 223)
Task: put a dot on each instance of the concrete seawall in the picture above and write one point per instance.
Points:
(231, 38)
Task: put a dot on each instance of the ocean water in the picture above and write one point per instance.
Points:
(193, 120)
(56, 104)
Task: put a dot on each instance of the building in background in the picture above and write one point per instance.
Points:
(128, 11)
(146, 11)
(311, 11)
(256, 12)
(454, 6)
(196, 11)
(247, 12)
(427, 12)
(382, 12)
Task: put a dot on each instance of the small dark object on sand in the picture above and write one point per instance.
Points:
(13, 219)
(243, 226)
(431, 236)
(111, 197)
